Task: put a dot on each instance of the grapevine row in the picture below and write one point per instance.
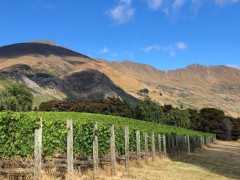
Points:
(17, 132)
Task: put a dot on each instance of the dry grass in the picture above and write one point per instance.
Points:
(218, 161)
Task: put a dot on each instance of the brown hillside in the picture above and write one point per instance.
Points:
(57, 72)
(195, 86)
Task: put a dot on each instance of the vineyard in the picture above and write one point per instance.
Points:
(17, 132)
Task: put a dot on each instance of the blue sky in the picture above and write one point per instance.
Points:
(166, 34)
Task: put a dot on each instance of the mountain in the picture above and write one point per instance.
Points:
(54, 72)
(195, 86)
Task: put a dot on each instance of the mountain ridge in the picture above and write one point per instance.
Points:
(194, 86)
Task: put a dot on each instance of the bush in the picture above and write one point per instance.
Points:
(178, 118)
(16, 97)
(149, 110)
(110, 106)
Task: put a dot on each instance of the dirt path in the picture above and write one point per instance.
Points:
(218, 161)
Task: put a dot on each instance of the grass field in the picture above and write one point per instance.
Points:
(218, 161)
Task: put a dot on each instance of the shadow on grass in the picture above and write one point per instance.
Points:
(217, 158)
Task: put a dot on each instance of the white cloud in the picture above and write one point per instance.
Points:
(177, 4)
(195, 5)
(123, 12)
(152, 47)
(224, 2)
(114, 54)
(154, 4)
(181, 45)
(236, 66)
(170, 49)
(104, 50)
(171, 8)
(44, 4)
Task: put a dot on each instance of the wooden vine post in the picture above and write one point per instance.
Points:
(112, 149)
(172, 144)
(164, 144)
(69, 150)
(159, 145)
(188, 144)
(182, 144)
(37, 152)
(127, 147)
(153, 146)
(146, 148)
(95, 148)
(138, 149)
(177, 144)
(169, 144)
(185, 144)
(94, 156)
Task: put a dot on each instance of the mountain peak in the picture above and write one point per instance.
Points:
(37, 48)
(195, 66)
(44, 42)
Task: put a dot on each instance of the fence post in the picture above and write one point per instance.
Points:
(188, 144)
(169, 144)
(70, 150)
(112, 148)
(159, 145)
(94, 156)
(185, 144)
(37, 152)
(164, 145)
(173, 144)
(138, 149)
(95, 149)
(182, 144)
(127, 147)
(153, 147)
(205, 140)
(95, 145)
(177, 144)
(146, 148)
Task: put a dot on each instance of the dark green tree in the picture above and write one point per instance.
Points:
(149, 110)
(181, 106)
(235, 128)
(178, 118)
(194, 119)
(16, 97)
(167, 108)
(211, 120)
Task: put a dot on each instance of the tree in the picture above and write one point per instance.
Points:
(144, 91)
(227, 128)
(194, 119)
(149, 110)
(178, 118)
(16, 97)
(167, 108)
(211, 120)
(236, 128)
(181, 106)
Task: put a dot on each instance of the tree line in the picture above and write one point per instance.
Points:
(206, 119)
(18, 97)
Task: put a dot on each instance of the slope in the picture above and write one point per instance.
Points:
(53, 72)
(195, 86)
